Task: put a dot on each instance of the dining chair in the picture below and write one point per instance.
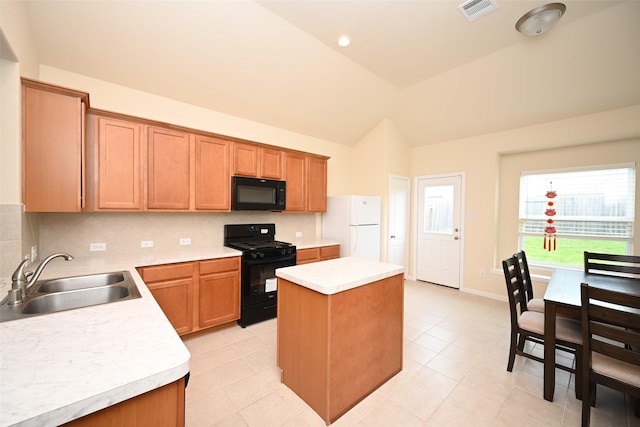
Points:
(612, 264)
(610, 321)
(533, 304)
(527, 325)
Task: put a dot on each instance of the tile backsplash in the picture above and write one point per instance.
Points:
(123, 232)
(18, 232)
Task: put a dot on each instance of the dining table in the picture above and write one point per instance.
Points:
(562, 298)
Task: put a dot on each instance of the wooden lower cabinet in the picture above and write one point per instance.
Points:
(334, 350)
(172, 286)
(219, 291)
(162, 407)
(323, 253)
(196, 295)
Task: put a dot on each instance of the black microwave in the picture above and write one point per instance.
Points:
(256, 194)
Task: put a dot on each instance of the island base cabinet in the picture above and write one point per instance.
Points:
(334, 350)
(162, 407)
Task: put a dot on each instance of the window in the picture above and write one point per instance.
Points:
(594, 211)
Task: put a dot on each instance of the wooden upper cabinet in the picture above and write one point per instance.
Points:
(114, 165)
(53, 148)
(316, 184)
(306, 178)
(271, 163)
(169, 169)
(212, 182)
(258, 162)
(246, 160)
(295, 175)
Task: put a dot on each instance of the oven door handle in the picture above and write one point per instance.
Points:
(270, 260)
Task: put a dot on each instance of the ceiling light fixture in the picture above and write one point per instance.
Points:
(344, 41)
(541, 19)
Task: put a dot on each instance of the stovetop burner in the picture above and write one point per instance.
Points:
(251, 238)
(249, 246)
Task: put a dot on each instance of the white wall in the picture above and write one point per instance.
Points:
(490, 231)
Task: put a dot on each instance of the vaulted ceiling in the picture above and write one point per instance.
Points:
(419, 63)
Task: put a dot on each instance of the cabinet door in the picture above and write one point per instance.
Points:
(168, 173)
(295, 168)
(316, 184)
(219, 298)
(329, 252)
(163, 406)
(175, 297)
(119, 164)
(246, 160)
(53, 139)
(271, 162)
(212, 187)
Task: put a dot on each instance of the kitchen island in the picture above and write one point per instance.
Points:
(340, 330)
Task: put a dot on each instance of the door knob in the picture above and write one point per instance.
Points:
(393, 237)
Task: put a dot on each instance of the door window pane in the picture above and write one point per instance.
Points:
(438, 209)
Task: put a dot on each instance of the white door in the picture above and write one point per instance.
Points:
(439, 230)
(398, 220)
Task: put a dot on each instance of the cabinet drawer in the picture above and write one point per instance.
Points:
(329, 252)
(304, 256)
(166, 272)
(219, 265)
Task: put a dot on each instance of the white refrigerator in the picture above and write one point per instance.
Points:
(354, 221)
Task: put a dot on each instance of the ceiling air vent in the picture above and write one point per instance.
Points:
(474, 9)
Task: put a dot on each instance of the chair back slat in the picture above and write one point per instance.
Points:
(610, 324)
(526, 276)
(615, 334)
(613, 351)
(515, 291)
(617, 298)
(600, 263)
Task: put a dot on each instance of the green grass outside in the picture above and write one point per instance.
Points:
(569, 252)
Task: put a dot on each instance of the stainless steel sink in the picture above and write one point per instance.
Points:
(68, 300)
(79, 282)
(68, 293)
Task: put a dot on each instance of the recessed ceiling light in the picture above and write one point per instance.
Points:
(344, 41)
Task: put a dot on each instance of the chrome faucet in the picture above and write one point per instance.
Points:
(21, 281)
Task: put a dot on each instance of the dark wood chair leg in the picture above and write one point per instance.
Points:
(637, 410)
(579, 375)
(512, 351)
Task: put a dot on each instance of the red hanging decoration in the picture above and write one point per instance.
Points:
(550, 230)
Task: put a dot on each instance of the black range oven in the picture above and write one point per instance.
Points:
(261, 256)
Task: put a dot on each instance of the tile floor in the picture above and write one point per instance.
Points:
(454, 374)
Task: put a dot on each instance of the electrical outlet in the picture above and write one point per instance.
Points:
(185, 241)
(94, 247)
(482, 273)
(146, 244)
(298, 233)
(34, 253)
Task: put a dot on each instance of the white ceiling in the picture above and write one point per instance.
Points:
(419, 63)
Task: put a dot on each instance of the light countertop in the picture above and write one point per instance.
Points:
(61, 366)
(338, 275)
(313, 243)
